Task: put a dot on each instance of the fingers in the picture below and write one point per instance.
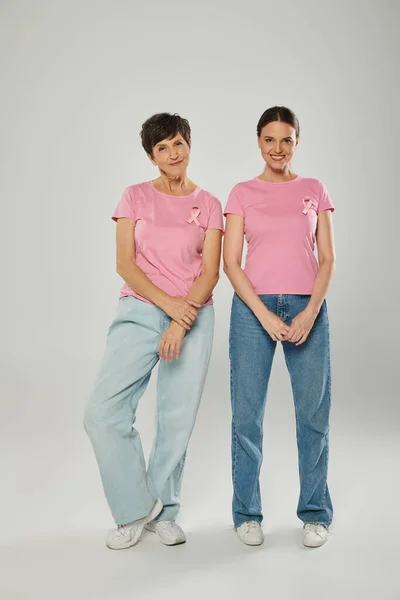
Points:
(167, 346)
(183, 323)
(276, 336)
(169, 350)
(293, 337)
(196, 304)
(282, 331)
(187, 320)
(163, 350)
(297, 337)
(302, 339)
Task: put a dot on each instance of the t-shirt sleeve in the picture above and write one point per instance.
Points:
(215, 220)
(126, 207)
(234, 205)
(325, 202)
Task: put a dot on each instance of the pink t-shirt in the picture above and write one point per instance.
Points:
(169, 234)
(280, 222)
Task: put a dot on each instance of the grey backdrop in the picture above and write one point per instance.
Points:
(78, 79)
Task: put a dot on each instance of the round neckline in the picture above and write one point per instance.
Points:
(277, 182)
(172, 195)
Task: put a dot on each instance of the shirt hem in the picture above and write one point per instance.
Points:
(296, 292)
(138, 297)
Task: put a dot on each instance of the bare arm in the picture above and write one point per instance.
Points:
(203, 286)
(326, 260)
(200, 291)
(233, 251)
(182, 310)
(303, 322)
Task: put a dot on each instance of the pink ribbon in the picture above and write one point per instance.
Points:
(309, 203)
(195, 214)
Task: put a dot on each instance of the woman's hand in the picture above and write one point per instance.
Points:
(170, 344)
(182, 310)
(273, 325)
(301, 326)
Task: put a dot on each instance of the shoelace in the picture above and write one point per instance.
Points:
(120, 531)
(166, 524)
(251, 526)
(315, 527)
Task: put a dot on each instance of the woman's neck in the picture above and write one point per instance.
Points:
(174, 186)
(277, 176)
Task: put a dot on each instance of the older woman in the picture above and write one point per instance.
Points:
(168, 252)
(280, 297)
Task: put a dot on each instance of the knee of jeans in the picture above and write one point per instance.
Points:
(317, 422)
(91, 417)
(97, 418)
(247, 426)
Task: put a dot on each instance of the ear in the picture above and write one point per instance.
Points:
(297, 141)
(259, 142)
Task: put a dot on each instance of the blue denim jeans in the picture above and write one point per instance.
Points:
(251, 352)
(131, 354)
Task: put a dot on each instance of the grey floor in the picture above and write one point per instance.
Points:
(54, 528)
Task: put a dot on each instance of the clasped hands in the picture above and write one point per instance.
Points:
(298, 331)
(183, 312)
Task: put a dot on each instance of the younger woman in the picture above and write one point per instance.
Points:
(280, 297)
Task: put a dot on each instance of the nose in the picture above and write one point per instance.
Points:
(278, 148)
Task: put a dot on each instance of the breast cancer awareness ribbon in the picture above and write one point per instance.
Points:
(195, 214)
(309, 203)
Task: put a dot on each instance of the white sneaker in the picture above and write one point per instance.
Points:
(250, 533)
(315, 535)
(169, 532)
(128, 535)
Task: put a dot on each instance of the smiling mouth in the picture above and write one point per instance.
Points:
(176, 163)
(277, 156)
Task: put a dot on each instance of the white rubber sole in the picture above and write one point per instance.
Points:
(151, 527)
(316, 545)
(319, 543)
(249, 543)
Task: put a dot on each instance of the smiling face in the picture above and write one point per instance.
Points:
(171, 156)
(277, 143)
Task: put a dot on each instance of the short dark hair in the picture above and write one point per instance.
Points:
(278, 113)
(163, 126)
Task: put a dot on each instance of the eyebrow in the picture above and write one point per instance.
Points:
(287, 137)
(164, 143)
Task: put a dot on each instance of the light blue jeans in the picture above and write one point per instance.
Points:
(130, 356)
(251, 354)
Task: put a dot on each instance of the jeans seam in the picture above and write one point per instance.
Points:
(329, 383)
(234, 436)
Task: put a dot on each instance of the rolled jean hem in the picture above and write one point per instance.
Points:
(129, 519)
(166, 516)
(317, 523)
(239, 523)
